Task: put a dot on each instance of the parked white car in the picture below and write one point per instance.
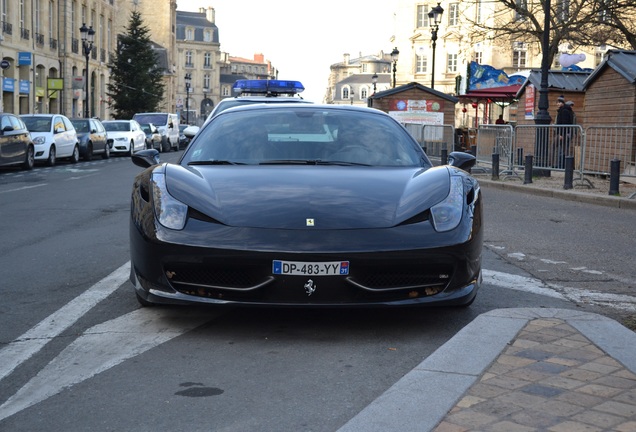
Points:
(54, 137)
(127, 136)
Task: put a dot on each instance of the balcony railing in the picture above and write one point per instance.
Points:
(7, 28)
(102, 55)
(75, 45)
(94, 53)
(53, 43)
(25, 33)
(39, 38)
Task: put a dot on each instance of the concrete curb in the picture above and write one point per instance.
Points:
(423, 397)
(571, 195)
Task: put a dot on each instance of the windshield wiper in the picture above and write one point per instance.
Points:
(309, 162)
(214, 162)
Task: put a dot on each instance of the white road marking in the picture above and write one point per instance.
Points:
(23, 188)
(21, 349)
(101, 348)
(108, 344)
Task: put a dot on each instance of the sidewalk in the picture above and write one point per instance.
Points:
(521, 370)
(526, 369)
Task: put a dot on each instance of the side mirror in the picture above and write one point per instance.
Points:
(93, 131)
(146, 158)
(461, 160)
(59, 130)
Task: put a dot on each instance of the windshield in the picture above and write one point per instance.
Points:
(81, 126)
(156, 119)
(278, 135)
(117, 126)
(38, 124)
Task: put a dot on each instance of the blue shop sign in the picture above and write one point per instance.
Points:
(24, 58)
(8, 84)
(25, 87)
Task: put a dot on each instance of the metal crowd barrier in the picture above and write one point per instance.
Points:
(593, 149)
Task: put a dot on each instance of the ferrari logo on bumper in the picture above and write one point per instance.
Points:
(310, 287)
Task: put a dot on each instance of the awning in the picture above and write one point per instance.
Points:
(494, 94)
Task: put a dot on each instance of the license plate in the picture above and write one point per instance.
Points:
(333, 268)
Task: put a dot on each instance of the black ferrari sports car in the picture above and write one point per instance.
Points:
(305, 205)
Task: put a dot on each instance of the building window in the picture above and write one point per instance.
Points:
(207, 60)
(451, 64)
(519, 54)
(188, 58)
(422, 16)
(206, 81)
(478, 11)
(225, 91)
(479, 56)
(345, 92)
(364, 93)
(189, 34)
(207, 36)
(563, 10)
(453, 14)
(521, 9)
(421, 65)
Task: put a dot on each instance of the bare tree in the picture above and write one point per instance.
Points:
(575, 22)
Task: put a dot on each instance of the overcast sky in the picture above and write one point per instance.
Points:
(301, 38)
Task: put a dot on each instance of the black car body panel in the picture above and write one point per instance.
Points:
(245, 220)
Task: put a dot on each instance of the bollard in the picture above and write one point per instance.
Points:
(473, 150)
(520, 156)
(569, 172)
(528, 170)
(495, 166)
(615, 170)
(444, 156)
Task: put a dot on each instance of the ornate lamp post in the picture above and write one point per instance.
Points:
(88, 37)
(188, 81)
(394, 57)
(436, 15)
(543, 116)
(374, 80)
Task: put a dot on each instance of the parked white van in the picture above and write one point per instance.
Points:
(167, 124)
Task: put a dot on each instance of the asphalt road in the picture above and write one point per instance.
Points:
(77, 353)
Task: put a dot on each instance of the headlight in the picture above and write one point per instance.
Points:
(448, 213)
(170, 212)
(121, 139)
(39, 140)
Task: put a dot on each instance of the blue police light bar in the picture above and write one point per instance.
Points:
(273, 87)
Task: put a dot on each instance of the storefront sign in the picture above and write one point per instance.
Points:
(25, 87)
(24, 59)
(8, 84)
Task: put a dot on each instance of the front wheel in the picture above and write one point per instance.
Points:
(29, 162)
(50, 161)
(75, 156)
(131, 149)
(89, 152)
(106, 153)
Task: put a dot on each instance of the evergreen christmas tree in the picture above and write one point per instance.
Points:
(136, 81)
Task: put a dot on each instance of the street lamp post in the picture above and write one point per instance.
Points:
(374, 80)
(188, 81)
(88, 37)
(436, 15)
(543, 116)
(394, 56)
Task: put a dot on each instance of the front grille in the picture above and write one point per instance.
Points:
(184, 276)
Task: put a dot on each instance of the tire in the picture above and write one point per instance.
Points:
(160, 147)
(106, 154)
(52, 159)
(75, 157)
(29, 162)
(131, 149)
(88, 156)
(143, 302)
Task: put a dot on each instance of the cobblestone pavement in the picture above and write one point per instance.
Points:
(517, 370)
(551, 378)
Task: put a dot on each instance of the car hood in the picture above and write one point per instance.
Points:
(334, 197)
(119, 134)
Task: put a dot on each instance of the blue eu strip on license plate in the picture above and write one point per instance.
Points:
(298, 268)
